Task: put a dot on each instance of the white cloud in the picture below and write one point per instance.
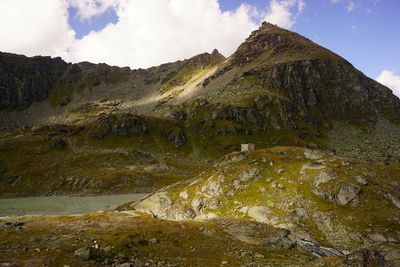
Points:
(391, 80)
(147, 33)
(153, 32)
(90, 8)
(284, 13)
(35, 27)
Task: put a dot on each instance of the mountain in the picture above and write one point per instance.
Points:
(321, 188)
(278, 88)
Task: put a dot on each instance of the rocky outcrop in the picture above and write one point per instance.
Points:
(343, 193)
(129, 128)
(311, 83)
(176, 136)
(26, 80)
(330, 89)
(312, 205)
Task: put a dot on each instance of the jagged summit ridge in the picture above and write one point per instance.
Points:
(278, 45)
(313, 83)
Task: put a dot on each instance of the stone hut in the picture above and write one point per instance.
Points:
(247, 147)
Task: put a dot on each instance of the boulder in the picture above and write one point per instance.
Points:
(361, 180)
(84, 254)
(317, 154)
(188, 211)
(391, 254)
(324, 176)
(262, 214)
(129, 127)
(59, 143)
(176, 136)
(233, 157)
(184, 195)
(13, 224)
(65, 101)
(197, 204)
(212, 204)
(247, 175)
(315, 165)
(157, 204)
(316, 249)
(212, 189)
(300, 213)
(347, 193)
(365, 257)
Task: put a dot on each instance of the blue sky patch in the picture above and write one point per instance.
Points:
(96, 23)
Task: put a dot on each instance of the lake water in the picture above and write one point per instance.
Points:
(63, 205)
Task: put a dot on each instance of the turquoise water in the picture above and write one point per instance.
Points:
(62, 205)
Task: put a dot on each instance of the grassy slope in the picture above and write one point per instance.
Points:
(349, 224)
(54, 242)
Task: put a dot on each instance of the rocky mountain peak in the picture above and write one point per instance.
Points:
(205, 59)
(264, 28)
(272, 44)
(216, 53)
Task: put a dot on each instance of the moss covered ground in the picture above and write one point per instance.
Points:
(123, 237)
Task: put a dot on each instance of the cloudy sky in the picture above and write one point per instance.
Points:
(143, 33)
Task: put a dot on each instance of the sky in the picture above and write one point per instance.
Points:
(144, 33)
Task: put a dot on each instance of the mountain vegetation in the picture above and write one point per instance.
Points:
(322, 187)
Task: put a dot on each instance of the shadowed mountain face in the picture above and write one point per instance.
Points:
(316, 82)
(26, 80)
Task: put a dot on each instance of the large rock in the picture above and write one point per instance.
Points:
(212, 204)
(84, 254)
(263, 214)
(247, 175)
(176, 136)
(324, 176)
(391, 253)
(213, 188)
(317, 154)
(129, 127)
(348, 193)
(362, 180)
(316, 249)
(157, 204)
(197, 204)
(258, 233)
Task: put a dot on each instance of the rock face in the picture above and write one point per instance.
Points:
(343, 193)
(129, 128)
(25, 80)
(317, 83)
